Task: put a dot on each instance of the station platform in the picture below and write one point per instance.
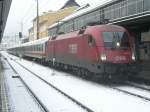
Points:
(14, 96)
(3, 95)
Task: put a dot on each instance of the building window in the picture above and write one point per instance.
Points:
(146, 4)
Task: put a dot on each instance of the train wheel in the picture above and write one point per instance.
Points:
(109, 76)
(87, 74)
(79, 72)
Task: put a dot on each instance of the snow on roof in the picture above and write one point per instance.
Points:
(35, 42)
(39, 41)
(83, 11)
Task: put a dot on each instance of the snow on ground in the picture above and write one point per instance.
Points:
(94, 96)
(141, 85)
(135, 90)
(18, 96)
(53, 101)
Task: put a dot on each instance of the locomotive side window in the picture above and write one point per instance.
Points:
(91, 41)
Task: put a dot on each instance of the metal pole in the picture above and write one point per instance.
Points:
(22, 27)
(37, 19)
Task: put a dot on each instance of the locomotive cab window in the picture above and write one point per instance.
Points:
(91, 41)
(115, 40)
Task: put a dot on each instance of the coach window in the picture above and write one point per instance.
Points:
(37, 47)
(41, 47)
(91, 41)
(32, 48)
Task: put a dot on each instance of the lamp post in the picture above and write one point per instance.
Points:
(37, 19)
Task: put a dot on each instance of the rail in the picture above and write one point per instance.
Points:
(54, 87)
(28, 88)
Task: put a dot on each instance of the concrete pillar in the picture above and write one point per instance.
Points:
(137, 40)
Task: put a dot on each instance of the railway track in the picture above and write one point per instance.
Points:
(115, 88)
(112, 87)
(126, 87)
(139, 80)
(129, 85)
(131, 93)
(52, 86)
(84, 107)
(28, 88)
(139, 86)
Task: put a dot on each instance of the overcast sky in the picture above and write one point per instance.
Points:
(23, 11)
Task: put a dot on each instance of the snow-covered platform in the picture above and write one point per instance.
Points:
(14, 95)
(3, 95)
(95, 96)
(50, 98)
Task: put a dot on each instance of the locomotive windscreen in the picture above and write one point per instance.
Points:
(115, 40)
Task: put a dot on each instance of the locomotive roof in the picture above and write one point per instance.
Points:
(104, 27)
(67, 35)
(108, 27)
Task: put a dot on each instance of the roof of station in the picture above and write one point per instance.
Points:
(82, 10)
(4, 10)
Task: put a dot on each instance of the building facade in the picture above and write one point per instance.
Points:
(31, 34)
(47, 19)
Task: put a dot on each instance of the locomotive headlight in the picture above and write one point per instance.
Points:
(133, 56)
(118, 44)
(103, 57)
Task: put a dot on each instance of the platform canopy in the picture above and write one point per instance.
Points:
(4, 10)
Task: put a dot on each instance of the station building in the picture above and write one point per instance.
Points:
(49, 18)
(132, 14)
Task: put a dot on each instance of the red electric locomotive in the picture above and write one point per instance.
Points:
(104, 50)
(101, 50)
